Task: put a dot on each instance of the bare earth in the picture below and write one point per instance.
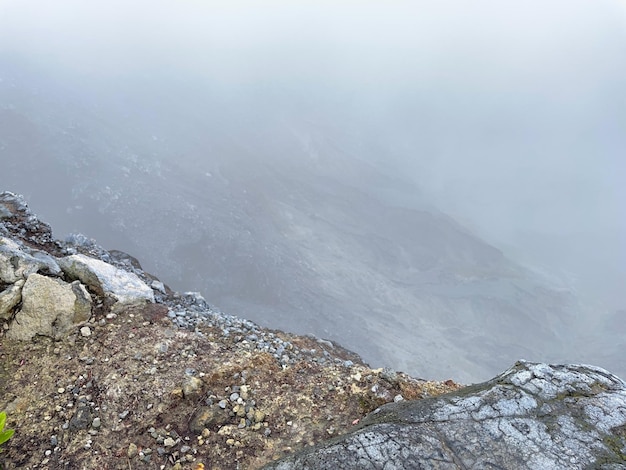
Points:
(115, 399)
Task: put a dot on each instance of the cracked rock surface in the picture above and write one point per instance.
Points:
(533, 416)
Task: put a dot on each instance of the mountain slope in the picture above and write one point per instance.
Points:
(280, 219)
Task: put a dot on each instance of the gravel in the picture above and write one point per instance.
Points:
(190, 311)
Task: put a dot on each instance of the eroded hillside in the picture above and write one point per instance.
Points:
(166, 384)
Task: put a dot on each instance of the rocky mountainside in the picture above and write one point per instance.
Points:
(103, 366)
(279, 218)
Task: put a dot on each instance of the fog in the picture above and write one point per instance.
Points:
(509, 117)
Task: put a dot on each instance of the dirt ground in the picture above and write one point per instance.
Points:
(140, 392)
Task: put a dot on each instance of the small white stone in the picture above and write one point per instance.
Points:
(85, 331)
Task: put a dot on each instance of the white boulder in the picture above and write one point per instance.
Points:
(123, 287)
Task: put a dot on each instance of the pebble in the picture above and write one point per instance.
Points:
(95, 423)
(169, 442)
(192, 387)
(85, 331)
(259, 416)
(132, 450)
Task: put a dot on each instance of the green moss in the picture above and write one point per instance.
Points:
(617, 447)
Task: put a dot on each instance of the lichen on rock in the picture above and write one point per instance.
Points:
(533, 416)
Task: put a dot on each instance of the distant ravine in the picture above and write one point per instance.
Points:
(290, 224)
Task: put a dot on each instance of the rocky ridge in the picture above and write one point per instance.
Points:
(103, 366)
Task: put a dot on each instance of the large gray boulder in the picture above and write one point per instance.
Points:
(18, 261)
(122, 287)
(50, 307)
(533, 416)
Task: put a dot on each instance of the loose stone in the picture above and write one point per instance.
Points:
(132, 450)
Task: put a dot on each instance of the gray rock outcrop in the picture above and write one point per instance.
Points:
(122, 287)
(533, 416)
(18, 261)
(50, 307)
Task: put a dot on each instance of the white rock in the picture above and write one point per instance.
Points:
(158, 286)
(123, 287)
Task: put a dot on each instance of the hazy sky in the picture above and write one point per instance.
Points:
(511, 114)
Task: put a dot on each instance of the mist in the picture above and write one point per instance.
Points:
(507, 117)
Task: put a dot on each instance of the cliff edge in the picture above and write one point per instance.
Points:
(103, 366)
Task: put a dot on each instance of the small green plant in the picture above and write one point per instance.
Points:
(5, 435)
